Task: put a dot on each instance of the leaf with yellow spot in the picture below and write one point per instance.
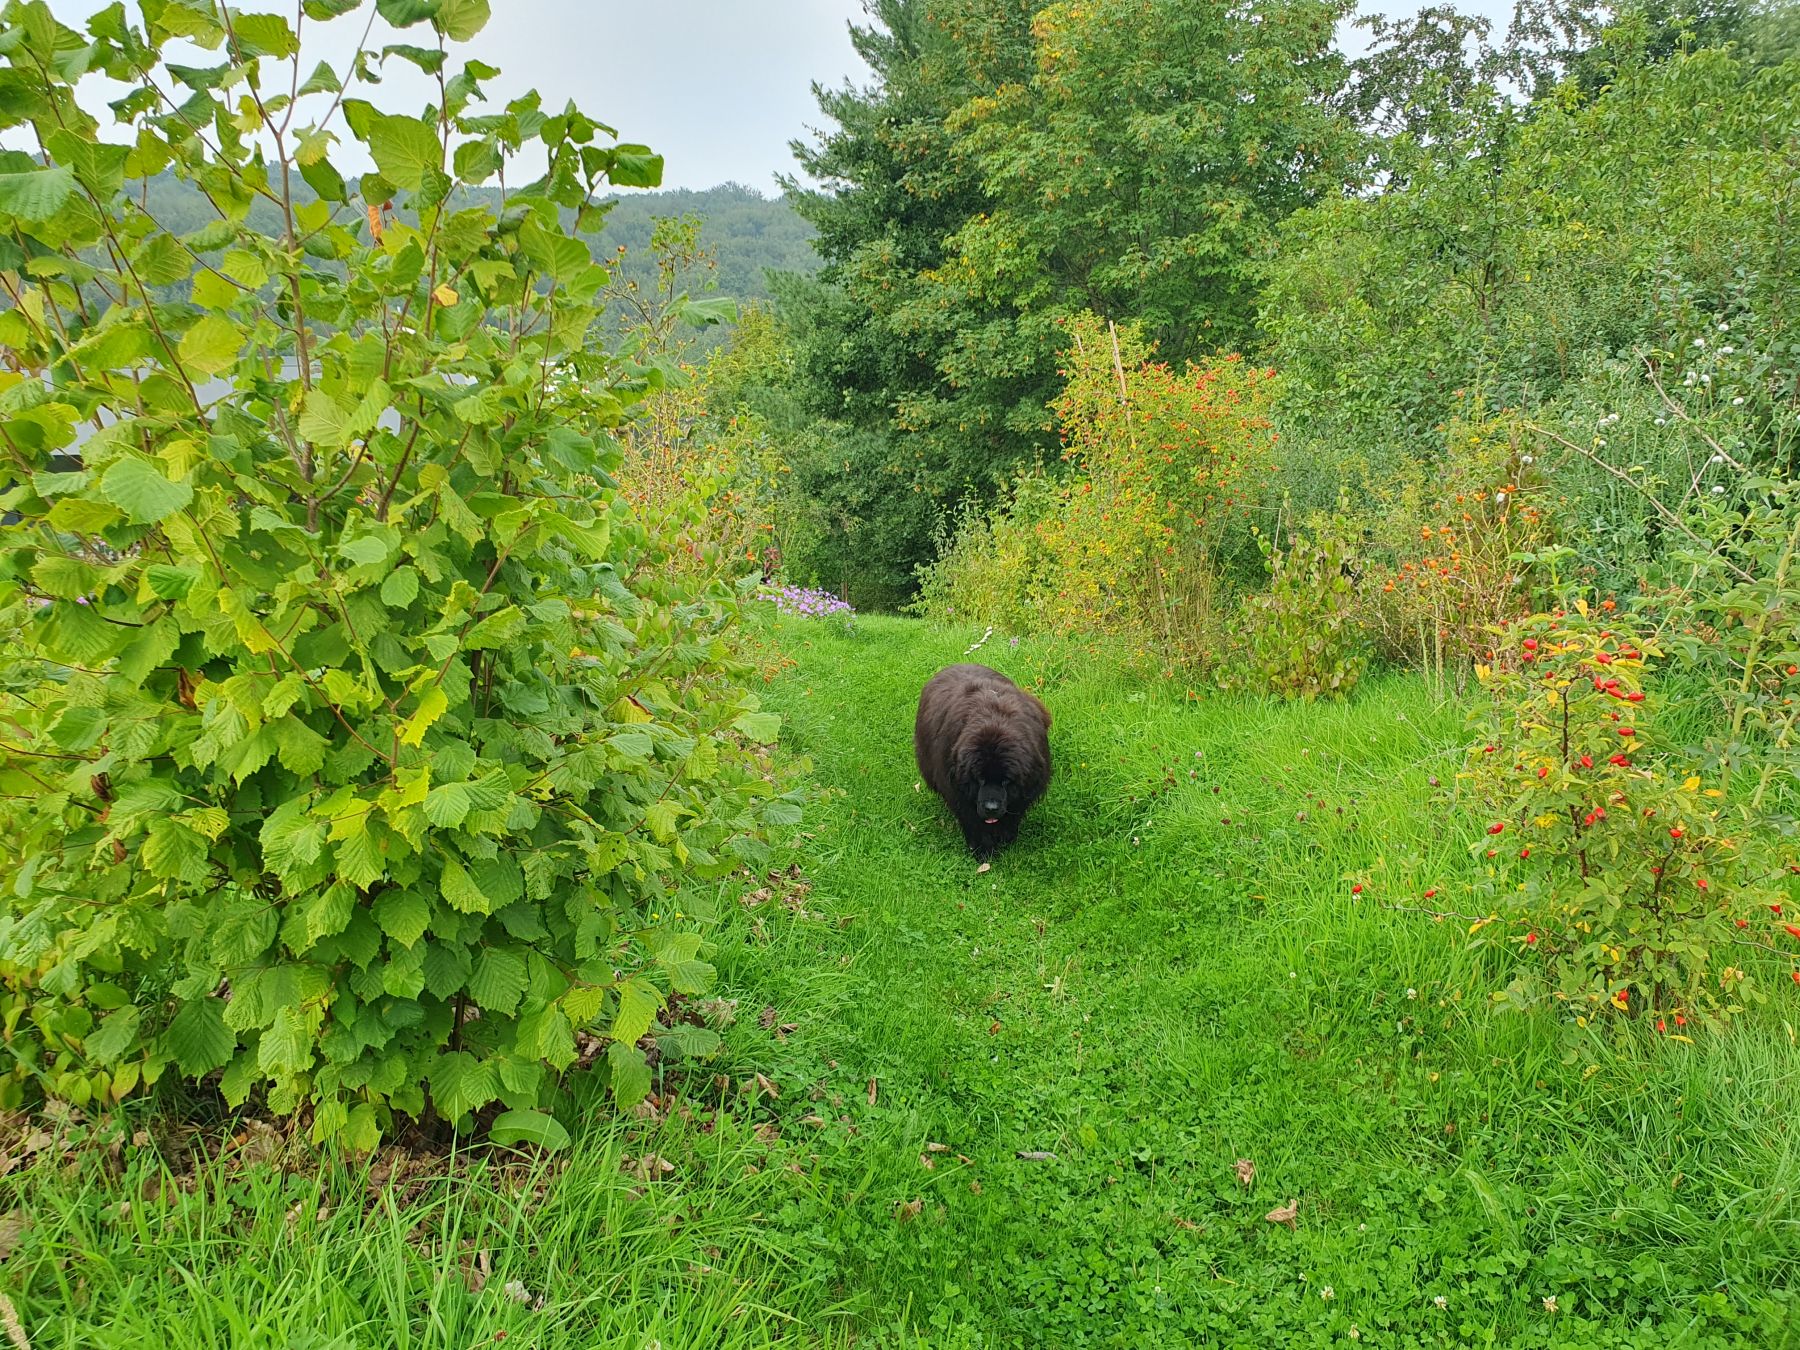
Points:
(445, 296)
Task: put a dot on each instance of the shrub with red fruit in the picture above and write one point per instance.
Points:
(1454, 548)
(1630, 894)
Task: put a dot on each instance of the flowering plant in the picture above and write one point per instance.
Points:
(805, 603)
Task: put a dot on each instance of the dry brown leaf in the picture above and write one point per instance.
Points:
(928, 1162)
(812, 1120)
(766, 1133)
(983, 868)
(1286, 1214)
(1246, 1171)
(974, 1188)
(10, 1324)
(768, 1017)
(1030, 1156)
(910, 1210)
(12, 1227)
(936, 1148)
(650, 1167)
(765, 1085)
(476, 1272)
(872, 1091)
(518, 1293)
(1188, 1224)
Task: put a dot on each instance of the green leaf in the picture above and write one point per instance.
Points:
(287, 1044)
(403, 916)
(690, 977)
(175, 852)
(300, 749)
(639, 1003)
(460, 1083)
(461, 20)
(708, 313)
(432, 705)
(400, 588)
(661, 817)
(459, 891)
(265, 35)
(499, 981)
(36, 194)
(690, 1042)
(405, 13)
(211, 345)
(405, 150)
(636, 166)
(324, 420)
(630, 1074)
(328, 913)
(115, 1037)
(761, 727)
(198, 1038)
(359, 859)
(323, 80)
(244, 931)
(139, 490)
(511, 1128)
(447, 805)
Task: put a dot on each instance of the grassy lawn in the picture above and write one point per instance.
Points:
(1168, 973)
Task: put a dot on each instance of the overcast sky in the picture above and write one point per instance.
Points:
(718, 87)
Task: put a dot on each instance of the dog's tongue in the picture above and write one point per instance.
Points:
(993, 820)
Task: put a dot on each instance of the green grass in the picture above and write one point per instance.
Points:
(1167, 973)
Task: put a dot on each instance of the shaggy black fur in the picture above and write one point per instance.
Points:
(982, 745)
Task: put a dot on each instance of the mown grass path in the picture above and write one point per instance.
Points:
(1169, 973)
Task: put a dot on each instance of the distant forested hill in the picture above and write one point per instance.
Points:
(749, 234)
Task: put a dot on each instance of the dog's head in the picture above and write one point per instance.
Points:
(990, 775)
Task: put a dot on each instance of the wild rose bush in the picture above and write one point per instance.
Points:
(1628, 885)
(1452, 550)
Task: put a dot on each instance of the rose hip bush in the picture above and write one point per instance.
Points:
(1629, 886)
(354, 744)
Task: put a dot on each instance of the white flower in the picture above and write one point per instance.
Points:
(1599, 440)
(1699, 342)
(1328, 1293)
(1528, 459)
(1724, 328)
(1662, 421)
(1355, 1335)
(1738, 402)
(1441, 1301)
(1500, 497)
(1412, 993)
(1728, 349)
(1716, 459)
(1718, 491)
(1550, 1304)
(1706, 379)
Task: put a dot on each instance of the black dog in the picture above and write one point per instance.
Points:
(982, 745)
